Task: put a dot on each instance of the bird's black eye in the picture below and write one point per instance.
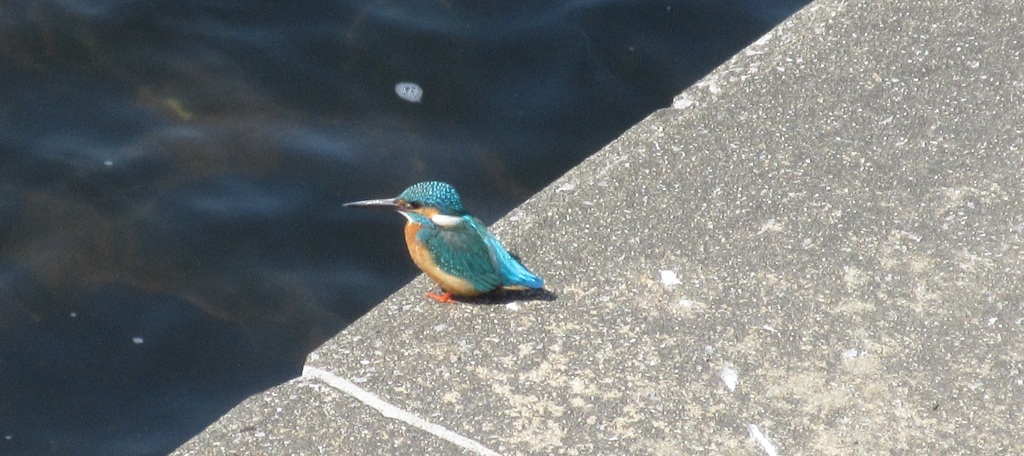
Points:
(414, 204)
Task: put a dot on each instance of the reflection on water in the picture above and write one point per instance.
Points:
(171, 238)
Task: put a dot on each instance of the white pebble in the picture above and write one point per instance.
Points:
(409, 91)
(730, 377)
(669, 279)
(682, 103)
(758, 437)
(512, 306)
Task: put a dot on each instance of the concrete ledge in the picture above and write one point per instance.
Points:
(818, 250)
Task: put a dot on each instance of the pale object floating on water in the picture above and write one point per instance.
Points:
(409, 91)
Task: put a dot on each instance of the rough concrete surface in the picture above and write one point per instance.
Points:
(832, 224)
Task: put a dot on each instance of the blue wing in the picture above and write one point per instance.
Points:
(468, 250)
(511, 271)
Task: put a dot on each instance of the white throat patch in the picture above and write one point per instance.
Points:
(445, 220)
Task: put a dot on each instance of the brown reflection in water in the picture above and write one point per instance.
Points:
(58, 250)
(64, 240)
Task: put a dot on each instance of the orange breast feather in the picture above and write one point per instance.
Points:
(421, 256)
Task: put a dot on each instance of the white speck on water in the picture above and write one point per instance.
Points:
(409, 91)
(74, 314)
(767, 445)
(8, 437)
(669, 279)
(108, 163)
(565, 187)
(730, 377)
(512, 306)
(137, 340)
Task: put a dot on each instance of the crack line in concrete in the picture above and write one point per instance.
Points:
(393, 412)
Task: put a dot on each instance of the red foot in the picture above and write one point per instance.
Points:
(441, 297)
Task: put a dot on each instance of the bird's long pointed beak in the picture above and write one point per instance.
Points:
(387, 203)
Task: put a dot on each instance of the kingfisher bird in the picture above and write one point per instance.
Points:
(452, 247)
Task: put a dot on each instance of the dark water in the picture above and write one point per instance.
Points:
(171, 239)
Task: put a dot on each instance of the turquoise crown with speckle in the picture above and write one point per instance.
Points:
(435, 194)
